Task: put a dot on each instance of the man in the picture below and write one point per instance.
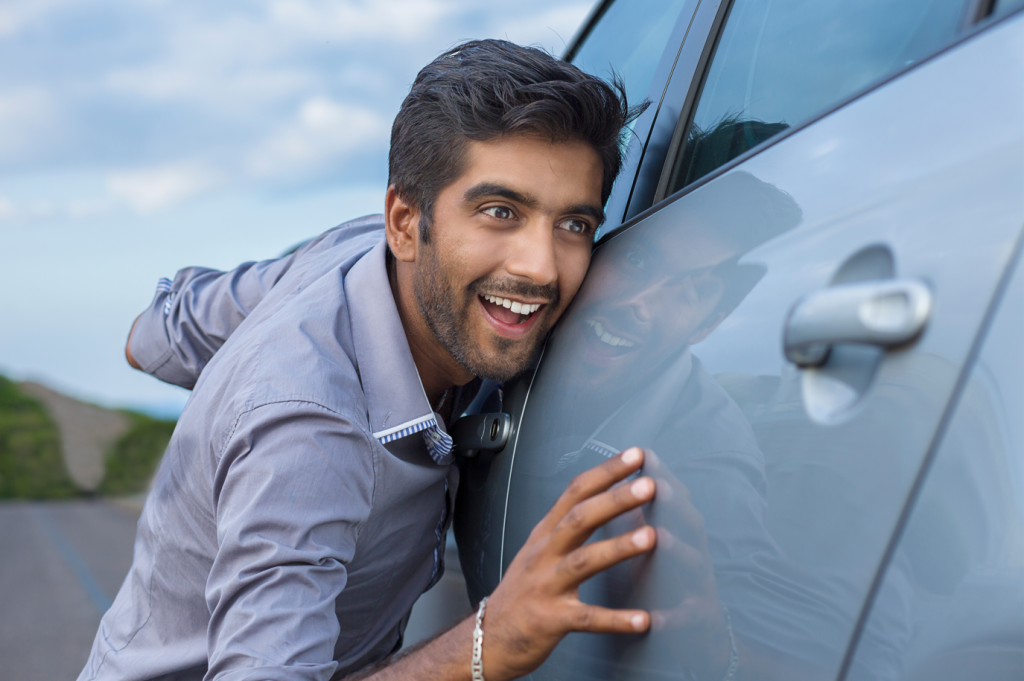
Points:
(300, 508)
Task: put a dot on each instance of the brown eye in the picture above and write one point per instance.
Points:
(499, 212)
(574, 225)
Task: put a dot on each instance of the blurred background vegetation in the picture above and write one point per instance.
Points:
(132, 460)
(33, 465)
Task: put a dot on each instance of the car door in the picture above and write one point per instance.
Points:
(840, 171)
(963, 540)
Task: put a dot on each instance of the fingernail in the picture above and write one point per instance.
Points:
(642, 488)
(638, 622)
(631, 456)
(641, 538)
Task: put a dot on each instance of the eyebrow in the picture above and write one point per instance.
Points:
(485, 189)
(589, 211)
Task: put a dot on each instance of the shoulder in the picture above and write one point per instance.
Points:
(355, 236)
(299, 353)
(305, 351)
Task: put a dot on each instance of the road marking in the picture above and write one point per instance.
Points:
(100, 599)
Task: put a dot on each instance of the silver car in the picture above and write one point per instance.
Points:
(808, 305)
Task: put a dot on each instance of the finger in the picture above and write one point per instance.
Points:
(591, 482)
(588, 560)
(582, 519)
(598, 620)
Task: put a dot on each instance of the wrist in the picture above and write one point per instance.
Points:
(476, 666)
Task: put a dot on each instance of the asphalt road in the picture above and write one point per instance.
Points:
(61, 563)
(60, 566)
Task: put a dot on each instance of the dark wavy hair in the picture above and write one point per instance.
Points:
(485, 89)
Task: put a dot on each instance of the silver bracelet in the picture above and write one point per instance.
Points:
(476, 668)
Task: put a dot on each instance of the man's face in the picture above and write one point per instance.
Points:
(653, 294)
(510, 243)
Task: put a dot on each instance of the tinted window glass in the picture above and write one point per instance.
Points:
(1006, 6)
(779, 62)
(629, 39)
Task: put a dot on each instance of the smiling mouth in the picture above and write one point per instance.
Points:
(509, 311)
(606, 337)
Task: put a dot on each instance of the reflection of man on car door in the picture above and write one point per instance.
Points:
(651, 294)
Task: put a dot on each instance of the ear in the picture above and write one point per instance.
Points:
(706, 328)
(401, 226)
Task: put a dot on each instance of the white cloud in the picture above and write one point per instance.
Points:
(153, 189)
(361, 20)
(81, 209)
(7, 210)
(14, 212)
(28, 121)
(323, 130)
(15, 16)
(551, 29)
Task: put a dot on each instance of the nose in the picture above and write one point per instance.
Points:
(643, 304)
(532, 254)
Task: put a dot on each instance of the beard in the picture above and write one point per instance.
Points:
(447, 311)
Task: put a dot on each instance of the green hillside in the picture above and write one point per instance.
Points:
(31, 460)
(31, 466)
(133, 459)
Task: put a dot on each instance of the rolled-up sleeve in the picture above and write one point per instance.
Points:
(293, 488)
(192, 316)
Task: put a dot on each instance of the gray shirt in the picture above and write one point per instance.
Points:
(299, 508)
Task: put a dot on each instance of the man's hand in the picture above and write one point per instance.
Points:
(537, 602)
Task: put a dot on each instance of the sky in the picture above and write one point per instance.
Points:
(137, 138)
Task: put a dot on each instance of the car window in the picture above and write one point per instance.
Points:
(1005, 6)
(629, 39)
(780, 62)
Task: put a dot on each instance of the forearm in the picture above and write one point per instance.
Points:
(444, 658)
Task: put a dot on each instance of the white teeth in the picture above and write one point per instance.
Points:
(514, 305)
(608, 338)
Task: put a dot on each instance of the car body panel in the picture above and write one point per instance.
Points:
(963, 542)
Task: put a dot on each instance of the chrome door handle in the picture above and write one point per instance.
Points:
(886, 313)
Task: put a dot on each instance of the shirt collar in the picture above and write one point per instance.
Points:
(396, 404)
(644, 413)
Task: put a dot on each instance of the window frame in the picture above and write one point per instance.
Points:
(635, 156)
(597, 12)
